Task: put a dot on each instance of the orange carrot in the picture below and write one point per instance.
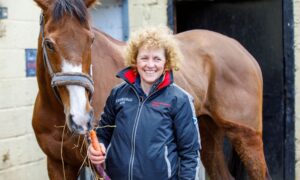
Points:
(94, 140)
(96, 145)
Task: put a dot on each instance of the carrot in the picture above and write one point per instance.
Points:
(94, 140)
(96, 145)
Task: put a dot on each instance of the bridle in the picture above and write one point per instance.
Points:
(65, 78)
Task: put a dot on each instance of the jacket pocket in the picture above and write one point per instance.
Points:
(167, 162)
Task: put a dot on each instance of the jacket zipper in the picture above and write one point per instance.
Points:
(133, 135)
(107, 150)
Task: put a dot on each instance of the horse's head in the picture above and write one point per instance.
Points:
(66, 40)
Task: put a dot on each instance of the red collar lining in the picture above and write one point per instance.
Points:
(166, 81)
(130, 75)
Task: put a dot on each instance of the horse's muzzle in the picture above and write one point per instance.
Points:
(82, 126)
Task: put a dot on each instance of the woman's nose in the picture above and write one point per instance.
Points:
(150, 63)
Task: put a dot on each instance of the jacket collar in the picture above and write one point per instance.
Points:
(130, 76)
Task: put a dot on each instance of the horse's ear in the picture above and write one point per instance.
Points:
(89, 3)
(44, 4)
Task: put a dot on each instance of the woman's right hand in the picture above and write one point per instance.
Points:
(96, 157)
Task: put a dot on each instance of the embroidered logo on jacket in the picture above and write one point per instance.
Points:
(123, 100)
(157, 104)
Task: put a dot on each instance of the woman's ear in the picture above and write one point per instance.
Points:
(44, 4)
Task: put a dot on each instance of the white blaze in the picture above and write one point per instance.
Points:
(77, 97)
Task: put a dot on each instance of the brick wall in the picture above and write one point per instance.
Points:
(297, 83)
(20, 156)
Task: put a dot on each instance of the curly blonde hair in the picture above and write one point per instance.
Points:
(154, 37)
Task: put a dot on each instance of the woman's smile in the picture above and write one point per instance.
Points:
(150, 65)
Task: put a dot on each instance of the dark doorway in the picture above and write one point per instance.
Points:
(260, 26)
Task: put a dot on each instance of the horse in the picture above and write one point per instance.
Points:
(76, 67)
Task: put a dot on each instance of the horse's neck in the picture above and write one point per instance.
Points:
(107, 54)
(108, 60)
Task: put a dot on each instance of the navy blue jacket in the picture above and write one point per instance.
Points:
(156, 136)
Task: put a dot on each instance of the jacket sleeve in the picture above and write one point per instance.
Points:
(107, 119)
(187, 138)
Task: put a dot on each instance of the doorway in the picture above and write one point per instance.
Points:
(261, 26)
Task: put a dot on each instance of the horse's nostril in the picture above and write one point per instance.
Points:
(73, 124)
(90, 122)
(89, 125)
(71, 118)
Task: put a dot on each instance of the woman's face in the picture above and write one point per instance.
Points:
(150, 64)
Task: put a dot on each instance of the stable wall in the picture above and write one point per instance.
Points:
(20, 156)
(146, 12)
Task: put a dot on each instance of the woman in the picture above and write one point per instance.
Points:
(156, 135)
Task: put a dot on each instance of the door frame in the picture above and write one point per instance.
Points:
(289, 90)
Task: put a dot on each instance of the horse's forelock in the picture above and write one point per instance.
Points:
(76, 8)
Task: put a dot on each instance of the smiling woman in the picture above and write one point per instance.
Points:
(150, 66)
(151, 52)
(154, 37)
(158, 126)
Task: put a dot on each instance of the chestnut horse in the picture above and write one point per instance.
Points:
(224, 79)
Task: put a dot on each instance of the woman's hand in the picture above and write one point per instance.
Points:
(96, 157)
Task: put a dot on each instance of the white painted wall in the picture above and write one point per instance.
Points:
(20, 156)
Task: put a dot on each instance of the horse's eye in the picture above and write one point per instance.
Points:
(49, 45)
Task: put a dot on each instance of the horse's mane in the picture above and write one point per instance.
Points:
(75, 8)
